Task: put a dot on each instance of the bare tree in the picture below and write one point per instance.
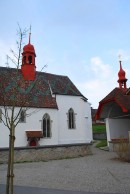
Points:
(13, 106)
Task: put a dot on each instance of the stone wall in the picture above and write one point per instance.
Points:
(99, 136)
(46, 153)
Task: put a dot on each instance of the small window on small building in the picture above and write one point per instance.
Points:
(0, 115)
(71, 119)
(30, 59)
(22, 116)
(46, 126)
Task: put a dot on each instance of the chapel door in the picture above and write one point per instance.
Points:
(33, 142)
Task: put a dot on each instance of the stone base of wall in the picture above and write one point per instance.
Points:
(32, 154)
(99, 136)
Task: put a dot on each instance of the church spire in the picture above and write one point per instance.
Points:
(122, 79)
(30, 35)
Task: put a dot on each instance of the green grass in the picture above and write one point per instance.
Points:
(102, 143)
(99, 128)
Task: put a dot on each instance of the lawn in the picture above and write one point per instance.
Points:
(102, 143)
(99, 128)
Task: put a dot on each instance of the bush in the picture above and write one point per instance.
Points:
(122, 148)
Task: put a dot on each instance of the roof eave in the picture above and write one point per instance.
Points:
(103, 103)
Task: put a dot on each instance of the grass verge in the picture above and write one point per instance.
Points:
(102, 143)
(99, 128)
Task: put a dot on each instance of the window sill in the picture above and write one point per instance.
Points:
(46, 137)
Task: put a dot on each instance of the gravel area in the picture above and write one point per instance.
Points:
(94, 173)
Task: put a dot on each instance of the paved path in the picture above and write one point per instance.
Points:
(34, 190)
(98, 173)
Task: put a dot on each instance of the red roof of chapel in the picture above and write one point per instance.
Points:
(37, 93)
(119, 96)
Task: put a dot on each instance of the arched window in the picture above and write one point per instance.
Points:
(22, 116)
(0, 115)
(24, 59)
(46, 126)
(71, 119)
(30, 59)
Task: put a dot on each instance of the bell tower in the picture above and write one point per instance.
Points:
(122, 79)
(28, 67)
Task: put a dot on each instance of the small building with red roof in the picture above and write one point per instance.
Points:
(115, 109)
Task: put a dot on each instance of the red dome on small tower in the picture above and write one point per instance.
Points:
(121, 73)
(28, 61)
(122, 79)
(29, 48)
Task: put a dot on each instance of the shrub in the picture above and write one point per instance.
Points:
(122, 148)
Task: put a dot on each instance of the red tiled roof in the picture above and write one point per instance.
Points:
(31, 134)
(119, 96)
(37, 93)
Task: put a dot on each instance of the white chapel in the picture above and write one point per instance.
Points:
(52, 110)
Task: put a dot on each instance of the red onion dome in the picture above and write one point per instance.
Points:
(29, 48)
(121, 73)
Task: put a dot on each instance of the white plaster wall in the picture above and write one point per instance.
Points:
(59, 126)
(83, 131)
(34, 122)
(117, 128)
(4, 136)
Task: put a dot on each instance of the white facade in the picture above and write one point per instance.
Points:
(60, 132)
(117, 128)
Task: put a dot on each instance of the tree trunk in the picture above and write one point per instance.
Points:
(12, 161)
(10, 173)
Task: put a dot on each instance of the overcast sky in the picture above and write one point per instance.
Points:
(77, 38)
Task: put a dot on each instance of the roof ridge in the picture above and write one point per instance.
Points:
(39, 72)
(51, 74)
